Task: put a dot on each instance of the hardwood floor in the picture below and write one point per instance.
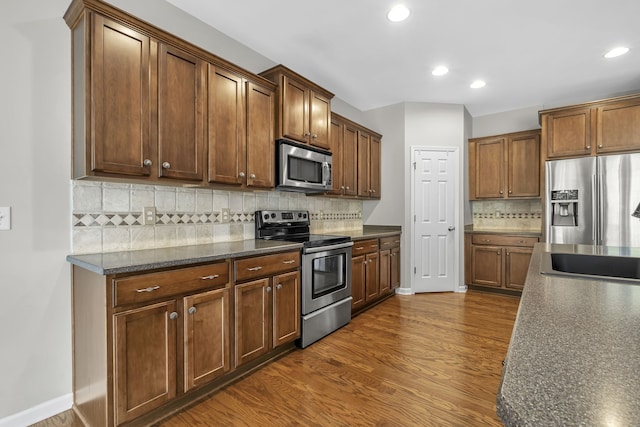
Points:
(422, 360)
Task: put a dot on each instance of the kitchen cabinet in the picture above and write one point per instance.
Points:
(369, 165)
(149, 106)
(304, 108)
(344, 148)
(505, 166)
(499, 261)
(143, 340)
(389, 264)
(365, 273)
(599, 127)
(267, 304)
(241, 130)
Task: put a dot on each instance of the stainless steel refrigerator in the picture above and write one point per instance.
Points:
(594, 200)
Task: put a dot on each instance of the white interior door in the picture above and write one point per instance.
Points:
(435, 190)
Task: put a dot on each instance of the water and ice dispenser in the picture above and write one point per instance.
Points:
(564, 208)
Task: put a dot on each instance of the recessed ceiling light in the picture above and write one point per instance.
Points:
(477, 84)
(440, 71)
(398, 13)
(616, 52)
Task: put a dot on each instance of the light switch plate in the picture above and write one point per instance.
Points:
(225, 215)
(149, 216)
(5, 218)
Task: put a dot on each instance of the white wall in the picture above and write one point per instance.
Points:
(506, 122)
(35, 115)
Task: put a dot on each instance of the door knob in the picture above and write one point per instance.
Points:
(451, 228)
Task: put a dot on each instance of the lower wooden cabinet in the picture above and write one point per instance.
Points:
(375, 271)
(498, 261)
(267, 309)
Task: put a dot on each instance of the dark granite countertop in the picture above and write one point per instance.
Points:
(372, 232)
(574, 355)
(149, 259)
(519, 232)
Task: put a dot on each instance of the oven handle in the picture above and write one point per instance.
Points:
(327, 248)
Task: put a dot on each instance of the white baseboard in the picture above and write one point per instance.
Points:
(39, 412)
(399, 291)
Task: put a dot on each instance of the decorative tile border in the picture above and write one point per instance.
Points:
(508, 215)
(126, 219)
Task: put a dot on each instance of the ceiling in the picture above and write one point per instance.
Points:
(530, 53)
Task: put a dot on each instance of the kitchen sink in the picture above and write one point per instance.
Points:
(592, 266)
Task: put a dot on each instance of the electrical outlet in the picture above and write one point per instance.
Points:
(225, 215)
(321, 215)
(5, 218)
(149, 216)
(498, 214)
(360, 214)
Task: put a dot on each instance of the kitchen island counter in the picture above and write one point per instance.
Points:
(573, 357)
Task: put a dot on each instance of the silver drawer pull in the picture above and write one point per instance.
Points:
(359, 248)
(374, 246)
(254, 268)
(396, 241)
(211, 277)
(291, 261)
(149, 289)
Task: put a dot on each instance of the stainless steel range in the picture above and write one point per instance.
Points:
(326, 271)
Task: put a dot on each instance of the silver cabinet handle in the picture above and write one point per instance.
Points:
(149, 289)
(307, 133)
(342, 187)
(192, 310)
(279, 286)
(147, 162)
(451, 228)
(268, 288)
(588, 147)
(348, 188)
(241, 174)
(254, 268)
(314, 136)
(374, 246)
(498, 252)
(290, 261)
(166, 165)
(211, 277)
(373, 191)
(396, 241)
(359, 248)
(252, 176)
(173, 315)
(600, 146)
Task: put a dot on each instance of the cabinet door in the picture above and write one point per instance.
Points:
(395, 268)
(568, 133)
(358, 275)
(319, 120)
(350, 161)
(226, 128)
(260, 136)
(374, 168)
(516, 266)
(145, 359)
(252, 309)
(385, 272)
(337, 140)
(489, 167)
(372, 276)
(286, 308)
(364, 142)
(294, 118)
(206, 337)
(618, 127)
(181, 97)
(523, 165)
(120, 100)
(486, 266)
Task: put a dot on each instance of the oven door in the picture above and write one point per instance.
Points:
(326, 276)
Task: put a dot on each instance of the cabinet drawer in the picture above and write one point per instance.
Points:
(146, 287)
(497, 239)
(364, 247)
(267, 265)
(389, 242)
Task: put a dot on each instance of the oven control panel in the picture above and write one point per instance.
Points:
(271, 217)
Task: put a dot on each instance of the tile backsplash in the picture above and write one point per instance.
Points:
(108, 216)
(522, 215)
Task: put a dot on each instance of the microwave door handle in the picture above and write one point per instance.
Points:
(326, 173)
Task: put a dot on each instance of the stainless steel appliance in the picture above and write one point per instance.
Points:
(326, 271)
(592, 200)
(302, 168)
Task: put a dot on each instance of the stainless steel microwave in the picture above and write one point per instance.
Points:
(302, 168)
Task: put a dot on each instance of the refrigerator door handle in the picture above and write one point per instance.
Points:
(601, 209)
(594, 208)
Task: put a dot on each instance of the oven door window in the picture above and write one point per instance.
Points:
(304, 170)
(328, 274)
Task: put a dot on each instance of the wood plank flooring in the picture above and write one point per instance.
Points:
(421, 360)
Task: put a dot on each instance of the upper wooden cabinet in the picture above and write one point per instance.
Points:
(505, 166)
(304, 108)
(241, 122)
(599, 127)
(150, 106)
(369, 165)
